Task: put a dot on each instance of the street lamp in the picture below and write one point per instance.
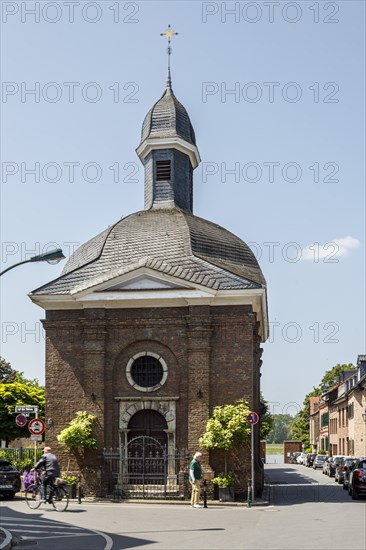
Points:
(54, 256)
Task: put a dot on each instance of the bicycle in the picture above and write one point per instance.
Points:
(55, 495)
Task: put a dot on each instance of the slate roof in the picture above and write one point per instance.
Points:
(170, 241)
(168, 118)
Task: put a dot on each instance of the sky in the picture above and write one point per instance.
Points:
(275, 92)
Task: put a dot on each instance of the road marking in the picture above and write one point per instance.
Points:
(50, 524)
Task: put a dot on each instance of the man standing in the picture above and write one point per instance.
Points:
(195, 475)
(49, 462)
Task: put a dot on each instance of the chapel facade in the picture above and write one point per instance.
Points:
(154, 322)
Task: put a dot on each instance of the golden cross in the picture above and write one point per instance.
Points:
(169, 33)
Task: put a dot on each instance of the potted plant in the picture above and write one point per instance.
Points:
(78, 436)
(225, 483)
(71, 482)
(227, 428)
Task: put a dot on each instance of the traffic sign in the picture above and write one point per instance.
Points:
(36, 437)
(26, 409)
(36, 426)
(21, 420)
(253, 418)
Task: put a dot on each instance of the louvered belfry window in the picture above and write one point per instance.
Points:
(163, 170)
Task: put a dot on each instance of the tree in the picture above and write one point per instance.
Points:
(265, 418)
(281, 428)
(18, 393)
(79, 432)
(331, 377)
(227, 428)
(9, 375)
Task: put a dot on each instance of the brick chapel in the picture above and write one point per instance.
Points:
(154, 321)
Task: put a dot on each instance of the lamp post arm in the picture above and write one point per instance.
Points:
(15, 265)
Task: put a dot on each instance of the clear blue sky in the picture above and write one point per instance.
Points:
(292, 130)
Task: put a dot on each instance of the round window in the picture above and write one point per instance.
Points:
(146, 371)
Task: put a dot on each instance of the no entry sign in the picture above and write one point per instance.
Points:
(36, 426)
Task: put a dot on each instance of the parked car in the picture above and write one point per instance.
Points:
(309, 459)
(326, 465)
(333, 463)
(9, 479)
(300, 458)
(319, 461)
(357, 480)
(293, 458)
(346, 469)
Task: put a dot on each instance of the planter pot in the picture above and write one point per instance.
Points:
(71, 489)
(226, 494)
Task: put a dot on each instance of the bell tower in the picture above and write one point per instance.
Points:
(168, 151)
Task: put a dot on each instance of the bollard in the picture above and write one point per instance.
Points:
(79, 489)
(249, 498)
(205, 494)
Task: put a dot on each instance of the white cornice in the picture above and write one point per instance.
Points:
(121, 299)
(182, 145)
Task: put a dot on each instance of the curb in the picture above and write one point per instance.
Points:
(5, 539)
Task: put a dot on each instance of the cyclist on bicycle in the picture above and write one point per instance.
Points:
(49, 463)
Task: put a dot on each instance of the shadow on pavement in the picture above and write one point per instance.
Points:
(289, 485)
(30, 529)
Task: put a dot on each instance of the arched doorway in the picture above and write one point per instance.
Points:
(148, 423)
(147, 449)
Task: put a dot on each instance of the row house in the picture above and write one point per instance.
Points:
(338, 417)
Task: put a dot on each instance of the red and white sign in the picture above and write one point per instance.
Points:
(36, 426)
(21, 420)
(253, 418)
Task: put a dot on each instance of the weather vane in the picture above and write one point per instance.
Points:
(169, 33)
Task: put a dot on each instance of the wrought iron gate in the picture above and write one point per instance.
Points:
(143, 469)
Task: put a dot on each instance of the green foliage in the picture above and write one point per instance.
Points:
(331, 377)
(265, 418)
(227, 428)
(322, 453)
(70, 480)
(18, 393)
(281, 428)
(21, 462)
(78, 434)
(224, 480)
(8, 375)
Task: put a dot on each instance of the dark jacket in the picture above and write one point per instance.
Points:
(50, 464)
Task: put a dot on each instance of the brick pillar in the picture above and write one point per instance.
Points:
(94, 344)
(198, 354)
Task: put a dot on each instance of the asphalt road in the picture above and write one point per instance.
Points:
(307, 511)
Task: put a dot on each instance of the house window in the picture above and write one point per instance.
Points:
(146, 371)
(163, 170)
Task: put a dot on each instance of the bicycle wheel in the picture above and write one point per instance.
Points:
(60, 499)
(33, 496)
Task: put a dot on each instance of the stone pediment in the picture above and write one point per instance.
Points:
(144, 282)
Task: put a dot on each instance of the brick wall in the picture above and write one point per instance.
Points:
(213, 358)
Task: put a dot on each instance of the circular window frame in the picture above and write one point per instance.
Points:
(151, 388)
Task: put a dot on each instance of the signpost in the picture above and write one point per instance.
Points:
(27, 409)
(36, 428)
(253, 419)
